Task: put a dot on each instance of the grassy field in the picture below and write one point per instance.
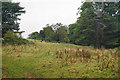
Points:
(58, 60)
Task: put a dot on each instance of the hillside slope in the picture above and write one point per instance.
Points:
(58, 60)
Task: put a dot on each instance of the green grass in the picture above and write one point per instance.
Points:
(53, 60)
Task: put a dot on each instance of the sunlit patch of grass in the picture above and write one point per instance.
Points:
(58, 60)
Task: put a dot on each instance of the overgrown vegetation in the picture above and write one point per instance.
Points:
(58, 60)
(11, 38)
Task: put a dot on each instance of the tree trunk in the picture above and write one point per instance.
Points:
(98, 35)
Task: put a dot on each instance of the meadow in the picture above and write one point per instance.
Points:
(58, 60)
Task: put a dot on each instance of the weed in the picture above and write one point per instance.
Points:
(32, 60)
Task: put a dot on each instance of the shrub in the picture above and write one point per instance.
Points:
(11, 38)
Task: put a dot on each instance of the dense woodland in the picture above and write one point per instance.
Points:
(98, 25)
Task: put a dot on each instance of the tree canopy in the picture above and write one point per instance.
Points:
(55, 32)
(97, 25)
(10, 13)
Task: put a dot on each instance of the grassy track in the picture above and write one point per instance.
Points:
(53, 60)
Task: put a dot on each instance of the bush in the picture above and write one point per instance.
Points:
(11, 38)
(66, 40)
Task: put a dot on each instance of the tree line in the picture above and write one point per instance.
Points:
(98, 25)
(52, 33)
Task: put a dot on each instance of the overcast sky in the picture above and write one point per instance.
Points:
(42, 12)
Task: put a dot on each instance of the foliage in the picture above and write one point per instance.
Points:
(93, 28)
(52, 33)
(61, 34)
(11, 38)
(33, 35)
(98, 26)
(48, 32)
(10, 13)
